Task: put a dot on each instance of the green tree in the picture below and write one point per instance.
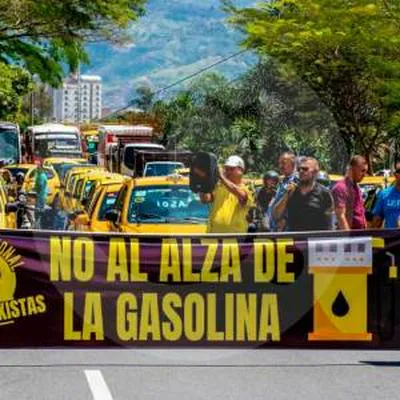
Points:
(258, 116)
(14, 84)
(44, 35)
(145, 98)
(347, 52)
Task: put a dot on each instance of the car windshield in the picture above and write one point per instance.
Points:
(9, 147)
(107, 204)
(62, 169)
(163, 204)
(162, 169)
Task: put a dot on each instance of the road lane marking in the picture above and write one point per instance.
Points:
(98, 385)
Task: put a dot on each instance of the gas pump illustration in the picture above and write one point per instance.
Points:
(340, 269)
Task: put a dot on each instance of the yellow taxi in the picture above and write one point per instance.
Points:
(370, 182)
(86, 181)
(70, 181)
(58, 163)
(51, 161)
(335, 178)
(30, 170)
(76, 186)
(101, 199)
(158, 205)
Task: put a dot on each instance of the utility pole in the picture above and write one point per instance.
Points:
(79, 96)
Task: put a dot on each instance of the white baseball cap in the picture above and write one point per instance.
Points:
(234, 161)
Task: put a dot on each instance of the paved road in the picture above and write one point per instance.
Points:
(167, 374)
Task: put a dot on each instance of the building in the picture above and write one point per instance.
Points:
(79, 99)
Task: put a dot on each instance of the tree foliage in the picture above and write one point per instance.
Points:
(44, 35)
(346, 51)
(14, 84)
(144, 99)
(259, 116)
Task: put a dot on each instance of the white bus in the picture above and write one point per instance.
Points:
(55, 140)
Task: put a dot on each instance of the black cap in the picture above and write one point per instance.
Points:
(271, 175)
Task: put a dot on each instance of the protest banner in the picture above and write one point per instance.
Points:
(311, 290)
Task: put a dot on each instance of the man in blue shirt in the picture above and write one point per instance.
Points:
(287, 166)
(41, 189)
(387, 207)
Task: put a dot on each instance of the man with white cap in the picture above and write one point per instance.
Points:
(231, 200)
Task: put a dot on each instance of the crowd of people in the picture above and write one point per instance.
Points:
(296, 200)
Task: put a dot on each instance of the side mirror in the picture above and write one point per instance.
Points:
(112, 216)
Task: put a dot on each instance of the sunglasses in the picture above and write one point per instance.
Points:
(305, 169)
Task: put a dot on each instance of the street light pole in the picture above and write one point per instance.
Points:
(79, 95)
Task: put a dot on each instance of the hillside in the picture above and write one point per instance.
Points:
(174, 39)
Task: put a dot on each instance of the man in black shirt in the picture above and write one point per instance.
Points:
(309, 204)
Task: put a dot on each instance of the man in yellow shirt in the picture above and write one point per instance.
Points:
(231, 200)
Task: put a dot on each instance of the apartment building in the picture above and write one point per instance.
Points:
(79, 99)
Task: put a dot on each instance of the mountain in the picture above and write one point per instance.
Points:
(174, 39)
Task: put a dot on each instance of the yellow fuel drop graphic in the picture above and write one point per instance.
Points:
(340, 269)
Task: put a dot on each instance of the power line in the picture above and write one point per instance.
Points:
(200, 71)
(186, 78)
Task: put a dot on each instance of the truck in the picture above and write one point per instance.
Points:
(10, 144)
(112, 140)
(126, 156)
(160, 163)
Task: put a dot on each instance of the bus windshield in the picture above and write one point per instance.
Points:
(58, 143)
(62, 143)
(9, 146)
